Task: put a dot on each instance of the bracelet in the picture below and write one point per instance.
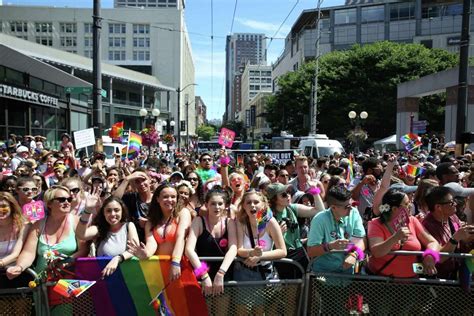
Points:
(433, 253)
(122, 258)
(88, 212)
(84, 221)
(201, 270)
(176, 264)
(453, 241)
(2, 264)
(359, 252)
(222, 271)
(205, 276)
(176, 258)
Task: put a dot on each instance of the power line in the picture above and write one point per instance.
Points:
(281, 25)
(233, 18)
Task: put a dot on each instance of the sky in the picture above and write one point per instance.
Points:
(204, 18)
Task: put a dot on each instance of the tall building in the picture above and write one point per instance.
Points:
(435, 24)
(254, 79)
(153, 41)
(149, 3)
(201, 111)
(240, 48)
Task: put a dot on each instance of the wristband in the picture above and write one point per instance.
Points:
(84, 221)
(359, 252)
(122, 258)
(222, 271)
(87, 212)
(453, 241)
(314, 191)
(176, 264)
(205, 276)
(224, 161)
(433, 253)
(176, 258)
(201, 270)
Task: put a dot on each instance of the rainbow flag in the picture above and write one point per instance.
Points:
(263, 217)
(134, 144)
(414, 171)
(129, 290)
(68, 287)
(116, 131)
(410, 141)
(350, 170)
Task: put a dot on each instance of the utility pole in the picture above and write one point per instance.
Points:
(179, 118)
(462, 85)
(314, 107)
(187, 125)
(97, 122)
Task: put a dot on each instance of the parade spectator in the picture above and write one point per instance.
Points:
(213, 235)
(287, 215)
(26, 190)
(270, 170)
(22, 153)
(322, 165)
(447, 172)
(419, 200)
(396, 229)
(197, 199)
(112, 178)
(9, 184)
(251, 165)
(303, 182)
(206, 171)
(443, 224)
(337, 228)
(85, 167)
(364, 188)
(78, 195)
(283, 176)
(110, 231)
(66, 143)
(185, 191)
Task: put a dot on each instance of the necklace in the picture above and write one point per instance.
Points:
(60, 235)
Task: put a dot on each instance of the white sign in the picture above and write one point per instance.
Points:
(84, 138)
(18, 93)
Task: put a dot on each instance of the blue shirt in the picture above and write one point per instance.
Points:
(324, 229)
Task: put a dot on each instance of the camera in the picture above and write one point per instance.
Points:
(289, 224)
(418, 268)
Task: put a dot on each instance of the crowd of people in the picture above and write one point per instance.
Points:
(344, 214)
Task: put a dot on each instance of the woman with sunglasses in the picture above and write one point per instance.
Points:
(55, 232)
(26, 190)
(79, 197)
(12, 237)
(197, 198)
(287, 215)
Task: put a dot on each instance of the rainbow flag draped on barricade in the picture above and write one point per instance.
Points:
(134, 143)
(136, 283)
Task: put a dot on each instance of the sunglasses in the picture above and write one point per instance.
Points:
(450, 202)
(63, 199)
(75, 190)
(206, 159)
(284, 195)
(25, 189)
(193, 179)
(284, 175)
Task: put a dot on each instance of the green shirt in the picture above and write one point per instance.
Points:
(292, 234)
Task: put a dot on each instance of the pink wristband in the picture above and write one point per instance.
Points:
(224, 161)
(314, 191)
(433, 253)
(360, 252)
(203, 268)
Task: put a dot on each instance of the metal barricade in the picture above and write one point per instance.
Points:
(22, 300)
(335, 293)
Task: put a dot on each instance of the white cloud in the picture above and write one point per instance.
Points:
(209, 65)
(268, 28)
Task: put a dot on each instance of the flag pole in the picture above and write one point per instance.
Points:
(128, 142)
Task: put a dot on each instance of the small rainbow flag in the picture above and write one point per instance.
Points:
(350, 170)
(410, 141)
(68, 287)
(116, 131)
(129, 290)
(134, 144)
(414, 171)
(263, 217)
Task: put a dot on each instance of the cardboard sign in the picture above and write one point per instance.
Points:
(84, 138)
(226, 137)
(33, 211)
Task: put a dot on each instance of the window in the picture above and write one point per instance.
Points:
(88, 42)
(373, 14)
(345, 16)
(141, 55)
(117, 28)
(402, 11)
(117, 55)
(141, 42)
(141, 29)
(68, 27)
(88, 53)
(18, 26)
(45, 27)
(117, 41)
(88, 28)
(68, 41)
(44, 40)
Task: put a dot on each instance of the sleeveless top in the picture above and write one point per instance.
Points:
(208, 246)
(114, 244)
(67, 246)
(170, 234)
(6, 247)
(267, 246)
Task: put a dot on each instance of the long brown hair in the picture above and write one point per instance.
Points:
(102, 225)
(155, 214)
(16, 214)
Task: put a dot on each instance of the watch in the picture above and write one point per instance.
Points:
(453, 241)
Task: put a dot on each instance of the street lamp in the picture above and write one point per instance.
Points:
(358, 134)
(144, 113)
(178, 90)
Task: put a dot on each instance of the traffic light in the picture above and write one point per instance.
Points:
(183, 126)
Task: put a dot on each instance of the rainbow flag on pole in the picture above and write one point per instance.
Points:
(116, 131)
(350, 170)
(414, 171)
(129, 290)
(68, 288)
(134, 144)
(410, 141)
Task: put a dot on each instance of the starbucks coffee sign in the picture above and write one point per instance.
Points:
(24, 94)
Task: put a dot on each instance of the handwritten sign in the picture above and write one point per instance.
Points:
(226, 138)
(84, 138)
(402, 220)
(33, 211)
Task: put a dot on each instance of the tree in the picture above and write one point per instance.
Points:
(205, 132)
(363, 78)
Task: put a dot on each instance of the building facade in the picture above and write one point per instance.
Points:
(434, 24)
(201, 111)
(255, 79)
(149, 3)
(240, 48)
(153, 41)
(260, 126)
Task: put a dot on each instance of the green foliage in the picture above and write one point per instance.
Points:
(205, 132)
(363, 78)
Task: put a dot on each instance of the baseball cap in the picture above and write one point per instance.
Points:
(177, 173)
(459, 190)
(275, 189)
(299, 195)
(404, 188)
(21, 149)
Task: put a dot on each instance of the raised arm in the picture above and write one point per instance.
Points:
(384, 185)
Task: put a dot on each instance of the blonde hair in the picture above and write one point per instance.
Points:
(16, 213)
(49, 195)
(242, 214)
(76, 180)
(300, 159)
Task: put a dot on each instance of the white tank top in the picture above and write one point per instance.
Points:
(266, 247)
(6, 248)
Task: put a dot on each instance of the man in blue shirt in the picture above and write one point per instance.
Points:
(337, 228)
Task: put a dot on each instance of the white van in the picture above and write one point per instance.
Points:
(110, 149)
(319, 145)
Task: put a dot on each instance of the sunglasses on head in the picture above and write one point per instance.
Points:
(63, 199)
(75, 190)
(25, 189)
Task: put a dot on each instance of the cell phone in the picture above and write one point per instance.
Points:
(418, 268)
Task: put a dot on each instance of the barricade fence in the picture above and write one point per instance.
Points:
(314, 293)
